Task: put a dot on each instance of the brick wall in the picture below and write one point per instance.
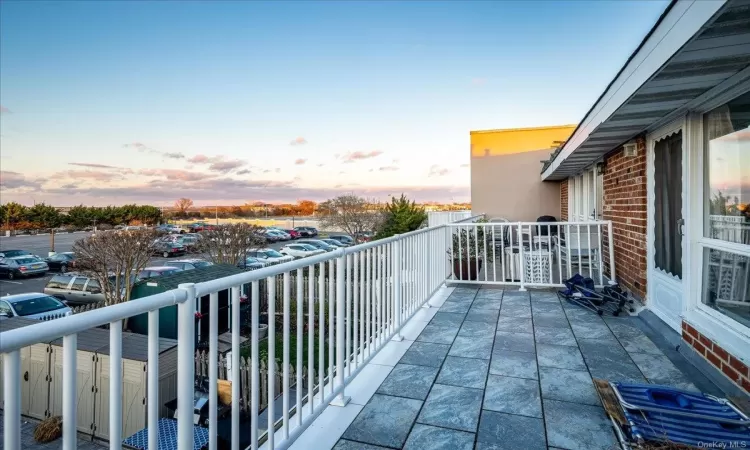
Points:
(625, 205)
(564, 200)
(731, 367)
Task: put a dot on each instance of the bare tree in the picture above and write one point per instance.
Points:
(351, 214)
(114, 258)
(183, 205)
(228, 244)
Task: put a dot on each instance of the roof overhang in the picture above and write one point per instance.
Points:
(696, 51)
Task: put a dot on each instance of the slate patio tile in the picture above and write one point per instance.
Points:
(464, 372)
(513, 364)
(385, 421)
(472, 347)
(486, 303)
(426, 437)
(482, 315)
(438, 334)
(477, 329)
(591, 330)
(517, 342)
(515, 310)
(618, 370)
(573, 386)
(602, 349)
(514, 324)
(490, 293)
(658, 369)
(544, 297)
(462, 296)
(513, 396)
(546, 306)
(406, 380)
(425, 354)
(554, 336)
(575, 426)
(640, 344)
(550, 320)
(455, 307)
(511, 432)
(515, 293)
(343, 444)
(444, 318)
(452, 407)
(623, 327)
(560, 356)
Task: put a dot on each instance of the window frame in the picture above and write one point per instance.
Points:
(586, 196)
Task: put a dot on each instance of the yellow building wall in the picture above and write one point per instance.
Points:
(506, 172)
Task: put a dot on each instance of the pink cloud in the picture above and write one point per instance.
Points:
(300, 161)
(16, 180)
(199, 159)
(4, 110)
(92, 165)
(358, 156)
(299, 141)
(437, 171)
(244, 172)
(225, 166)
(175, 174)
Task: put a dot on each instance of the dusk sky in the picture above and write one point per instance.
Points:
(234, 102)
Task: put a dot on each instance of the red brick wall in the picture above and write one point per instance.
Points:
(564, 200)
(733, 368)
(625, 205)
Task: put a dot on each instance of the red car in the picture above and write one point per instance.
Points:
(293, 233)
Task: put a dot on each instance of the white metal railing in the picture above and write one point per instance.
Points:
(436, 218)
(340, 308)
(536, 254)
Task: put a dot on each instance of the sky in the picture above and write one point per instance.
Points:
(233, 102)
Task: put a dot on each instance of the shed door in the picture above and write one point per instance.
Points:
(35, 372)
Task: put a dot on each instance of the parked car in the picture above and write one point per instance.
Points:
(157, 271)
(307, 231)
(365, 236)
(277, 235)
(189, 264)
(13, 253)
(317, 243)
(344, 239)
(74, 289)
(251, 263)
(168, 248)
(334, 242)
(32, 305)
(170, 228)
(189, 241)
(22, 266)
(200, 226)
(300, 250)
(270, 256)
(293, 233)
(61, 262)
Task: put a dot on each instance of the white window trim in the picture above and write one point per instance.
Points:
(733, 336)
(580, 191)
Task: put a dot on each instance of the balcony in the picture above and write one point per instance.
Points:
(448, 335)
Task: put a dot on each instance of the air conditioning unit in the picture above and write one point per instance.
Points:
(630, 149)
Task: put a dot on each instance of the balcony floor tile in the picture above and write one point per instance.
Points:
(464, 372)
(409, 381)
(384, 421)
(452, 407)
(426, 437)
(508, 431)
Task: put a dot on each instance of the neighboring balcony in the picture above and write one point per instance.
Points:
(312, 341)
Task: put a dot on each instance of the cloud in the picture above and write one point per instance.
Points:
(478, 81)
(92, 165)
(4, 110)
(388, 168)
(16, 180)
(199, 159)
(299, 161)
(96, 175)
(359, 156)
(464, 166)
(141, 147)
(321, 165)
(299, 141)
(226, 166)
(69, 186)
(175, 174)
(437, 171)
(244, 172)
(173, 155)
(277, 170)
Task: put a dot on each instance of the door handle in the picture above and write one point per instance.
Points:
(681, 227)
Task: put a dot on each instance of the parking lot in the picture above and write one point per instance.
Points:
(40, 246)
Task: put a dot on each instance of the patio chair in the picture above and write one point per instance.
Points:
(582, 291)
(579, 245)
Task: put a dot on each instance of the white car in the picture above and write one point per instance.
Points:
(300, 250)
(269, 256)
(33, 305)
(278, 234)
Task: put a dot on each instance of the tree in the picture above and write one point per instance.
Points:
(228, 244)
(112, 258)
(44, 216)
(14, 213)
(352, 214)
(182, 205)
(306, 207)
(401, 216)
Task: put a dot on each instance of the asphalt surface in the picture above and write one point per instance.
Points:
(40, 245)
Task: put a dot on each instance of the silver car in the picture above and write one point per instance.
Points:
(32, 305)
(22, 266)
(74, 289)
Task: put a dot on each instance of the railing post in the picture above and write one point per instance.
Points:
(70, 413)
(397, 255)
(213, 369)
(522, 262)
(153, 379)
(186, 363)
(341, 399)
(115, 385)
(12, 389)
(611, 238)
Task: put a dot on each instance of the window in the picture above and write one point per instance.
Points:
(5, 308)
(78, 284)
(93, 287)
(585, 196)
(726, 211)
(58, 282)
